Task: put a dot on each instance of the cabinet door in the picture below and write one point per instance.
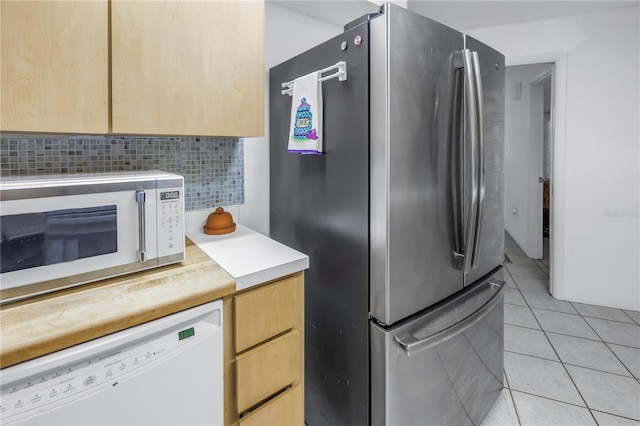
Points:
(55, 66)
(188, 67)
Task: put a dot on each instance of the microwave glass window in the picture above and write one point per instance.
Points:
(37, 239)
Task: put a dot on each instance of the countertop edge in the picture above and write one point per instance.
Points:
(247, 281)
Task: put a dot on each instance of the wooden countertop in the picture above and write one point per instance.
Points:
(48, 323)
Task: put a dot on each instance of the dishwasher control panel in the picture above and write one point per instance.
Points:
(37, 393)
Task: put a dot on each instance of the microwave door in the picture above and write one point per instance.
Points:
(73, 239)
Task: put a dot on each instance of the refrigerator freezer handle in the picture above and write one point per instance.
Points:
(412, 345)
(477, 77)
(471, 209)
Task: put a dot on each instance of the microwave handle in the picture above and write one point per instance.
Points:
(142, 237)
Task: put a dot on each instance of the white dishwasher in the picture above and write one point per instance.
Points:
(165, 372)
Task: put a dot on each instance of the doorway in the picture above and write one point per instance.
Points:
(542, 140)
(529, 136)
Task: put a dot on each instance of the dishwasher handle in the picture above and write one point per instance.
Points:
(413, 345)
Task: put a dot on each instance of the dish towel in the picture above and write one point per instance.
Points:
(305, 134)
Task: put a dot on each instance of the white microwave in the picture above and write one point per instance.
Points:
(62, 231)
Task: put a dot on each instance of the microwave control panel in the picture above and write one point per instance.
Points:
(170, 221)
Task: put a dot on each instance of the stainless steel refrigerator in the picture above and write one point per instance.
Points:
(402, 218)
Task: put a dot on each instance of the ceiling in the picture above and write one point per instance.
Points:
(458, 14)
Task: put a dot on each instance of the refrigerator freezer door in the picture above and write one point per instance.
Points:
(414, 149)
(490, 252)
(320, 206)
(444, 367)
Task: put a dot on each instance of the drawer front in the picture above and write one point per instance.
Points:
(265, 312)
(286, 409)
(265, 370)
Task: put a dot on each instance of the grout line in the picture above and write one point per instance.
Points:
(538, 357)
(534, 356)
(600, 371)
(516, 325)
(563, 366)
(632, 319)
(615, 415)
(624, 346)
(605, 319)
(618, 358)
(594, 417)
(561, 334)
(552, 399)
(597, 334)
(528, 276)
(559, 360)
(515, 304)
(551, 310)
(513, 401)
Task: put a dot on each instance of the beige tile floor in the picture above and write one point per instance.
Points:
(565, 363)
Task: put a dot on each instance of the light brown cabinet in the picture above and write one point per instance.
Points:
(264, 354)
(54, 66)
(133, 67)
(188, 68)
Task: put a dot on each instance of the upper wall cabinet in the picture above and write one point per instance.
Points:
(188, 67)
(54, 66)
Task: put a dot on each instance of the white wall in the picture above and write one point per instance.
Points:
(521, 151)
(597, 224)
(286, 34)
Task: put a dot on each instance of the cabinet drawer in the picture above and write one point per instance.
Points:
(284, 410)
(265, 312)
(263, 371)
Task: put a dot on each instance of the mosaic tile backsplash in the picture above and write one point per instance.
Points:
(213, 168)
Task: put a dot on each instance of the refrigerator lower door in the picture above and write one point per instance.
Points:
(444, 367)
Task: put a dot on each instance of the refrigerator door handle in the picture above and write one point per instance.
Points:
(413, 345)
(471, 172)
(477, 77)
(454, 91)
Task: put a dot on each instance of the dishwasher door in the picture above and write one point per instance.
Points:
(165, 372)
(444, 367)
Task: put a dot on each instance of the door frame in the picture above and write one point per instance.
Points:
(557, 216)
(536, 166)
